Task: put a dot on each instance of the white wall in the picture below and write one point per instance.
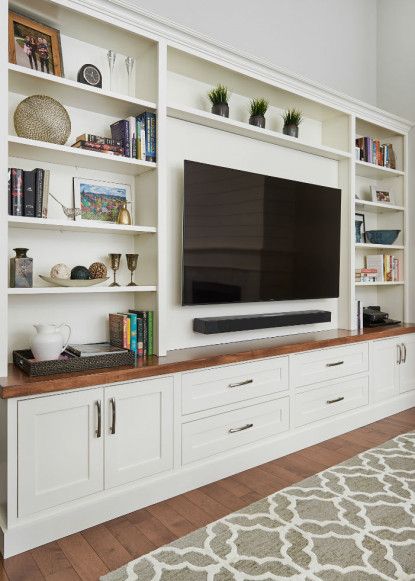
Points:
(329, 41)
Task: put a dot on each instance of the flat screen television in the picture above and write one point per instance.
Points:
(249, 237)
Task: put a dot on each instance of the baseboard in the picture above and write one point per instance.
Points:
(90, 511)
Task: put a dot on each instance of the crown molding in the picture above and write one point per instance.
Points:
(128, 14)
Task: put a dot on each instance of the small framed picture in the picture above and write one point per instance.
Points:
(382, 195)
(100, 201)
(34, 45)
(360, 228)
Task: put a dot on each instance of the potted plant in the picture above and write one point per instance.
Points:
(219, 97)
(258, 109)
(292, 119)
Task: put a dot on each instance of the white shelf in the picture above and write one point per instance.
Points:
(72, 156)
(370, 170)
(387, 283)
(238, 127)
(22, 80)
(77, 226)
(378, 207)
(58, 290)
(363, 245)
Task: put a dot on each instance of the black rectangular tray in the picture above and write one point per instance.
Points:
(69, 363)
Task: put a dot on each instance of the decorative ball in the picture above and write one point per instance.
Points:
(80, 273)
(98, 270)
(60, 271)
(42, 118)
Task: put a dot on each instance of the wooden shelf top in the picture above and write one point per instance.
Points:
(17, 384)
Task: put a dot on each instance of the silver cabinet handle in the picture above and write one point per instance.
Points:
(399, 354)
(114, 415)
(334, 364)
(341, 398)
(246, 427)
(98, 431)
(240, 383)
(404, 353)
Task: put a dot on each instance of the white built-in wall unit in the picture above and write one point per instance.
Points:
(74, 473)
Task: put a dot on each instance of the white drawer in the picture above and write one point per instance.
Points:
(327, 364)
(223, 432)
(219, 386)
(331, 399)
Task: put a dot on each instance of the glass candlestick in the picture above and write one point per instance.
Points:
(129, 64)
(115, 265)
(112, 56)
(132, 260)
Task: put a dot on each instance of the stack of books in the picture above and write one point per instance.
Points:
(372, 151)
(28, 192)
(133, 331)
(96, 143)
(388, 267)
(366, 274)
(138, 136)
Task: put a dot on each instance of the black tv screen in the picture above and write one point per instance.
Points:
(250, 237)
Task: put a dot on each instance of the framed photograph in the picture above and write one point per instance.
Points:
(382, 195)
(360, 228)
(34, 45)
(99, 201)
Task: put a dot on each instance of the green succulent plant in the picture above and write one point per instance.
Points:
(258, 107)
(220, 94)
(292, 117)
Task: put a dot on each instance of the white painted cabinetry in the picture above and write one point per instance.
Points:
(393, 367)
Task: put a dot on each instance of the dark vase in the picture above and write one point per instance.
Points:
(221, 109)
(291, 130)
(21, 269)
(258, 120)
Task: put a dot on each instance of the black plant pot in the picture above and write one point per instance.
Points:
(221, 109)
(291, 130)
(258, 120)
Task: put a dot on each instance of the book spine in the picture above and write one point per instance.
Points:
(120, 132)
(9, 173)
(97, 139)
(40, 175)
(133, 332)
(140, 337)
(150, 319)
(17, 191)
(116, 328)
(45, 194)
(29, 184)
(125, 342)
(132, 136)
(145, 329)
(150, 121)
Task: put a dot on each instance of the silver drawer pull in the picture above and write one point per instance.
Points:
(335, 400)
(246, 382)
(404, 353)
(246, 427)
(98, 431)
(334, 364)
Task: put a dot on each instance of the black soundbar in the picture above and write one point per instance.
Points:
(211, 325)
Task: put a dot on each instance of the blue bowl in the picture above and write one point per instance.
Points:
(382, 236)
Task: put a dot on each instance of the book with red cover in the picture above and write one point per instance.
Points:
(17, 191)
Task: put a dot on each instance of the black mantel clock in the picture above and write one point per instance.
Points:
(90, 75)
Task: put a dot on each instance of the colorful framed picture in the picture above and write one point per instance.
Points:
(100, 201)
(382, 195)
(34, 45)
(360, 228)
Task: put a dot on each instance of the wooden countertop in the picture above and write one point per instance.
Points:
(18, 384)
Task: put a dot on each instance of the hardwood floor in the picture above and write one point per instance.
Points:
(86, 555)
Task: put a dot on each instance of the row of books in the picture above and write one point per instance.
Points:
(380, 268)
(28, 192)
(372, 151)
(132, 137)
(133, 331)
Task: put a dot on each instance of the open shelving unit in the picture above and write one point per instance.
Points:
(172, 78)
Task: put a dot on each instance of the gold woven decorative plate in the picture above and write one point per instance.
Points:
(42, 118)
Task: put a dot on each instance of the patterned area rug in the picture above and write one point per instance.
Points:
(354, 522)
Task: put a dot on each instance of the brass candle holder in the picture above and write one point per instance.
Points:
(115, 265)
(132, 260)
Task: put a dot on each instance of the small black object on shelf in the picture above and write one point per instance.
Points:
(90, 75)
(374, 317)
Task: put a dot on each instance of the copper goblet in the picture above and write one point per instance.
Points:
(132, 260)
(115, 265)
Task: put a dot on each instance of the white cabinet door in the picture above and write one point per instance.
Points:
(139, 433)
(407, 367)
(60, 449)
(385, 369)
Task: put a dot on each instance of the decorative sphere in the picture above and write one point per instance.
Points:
(98, 270)
(80, 273)
(60, 271)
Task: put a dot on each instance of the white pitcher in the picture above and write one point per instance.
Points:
(49, 343)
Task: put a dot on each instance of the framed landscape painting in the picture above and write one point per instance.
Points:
(99, 201)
